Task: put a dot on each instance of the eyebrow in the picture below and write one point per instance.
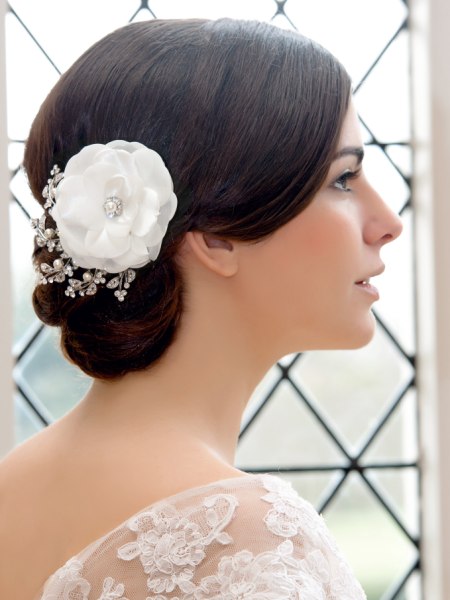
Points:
(352, 150)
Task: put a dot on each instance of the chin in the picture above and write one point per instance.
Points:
(357, 335)
(350, 336)
(360, 335)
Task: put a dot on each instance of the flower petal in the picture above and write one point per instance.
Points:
(153, 172)
(127, 146)
(86, 156)
(169, 207)
(102, 245)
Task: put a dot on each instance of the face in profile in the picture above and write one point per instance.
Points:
(311, 283)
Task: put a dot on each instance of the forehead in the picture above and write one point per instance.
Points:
(351, 130)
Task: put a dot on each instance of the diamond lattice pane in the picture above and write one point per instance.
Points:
(89, 21)
(368, 536)
(390, 117)
(237, 9)
(398, 438)
(23, 277)
(25, 420)
(55, 382)
(29, 76)
(400, 490)
(354, 31)
(286, 434)
(353, 387)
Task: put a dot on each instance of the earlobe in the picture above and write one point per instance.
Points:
(217, 254)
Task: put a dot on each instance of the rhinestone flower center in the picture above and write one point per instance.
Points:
(113, 207)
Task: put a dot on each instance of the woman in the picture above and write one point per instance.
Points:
(208, 215)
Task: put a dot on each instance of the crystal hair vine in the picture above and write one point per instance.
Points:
(112, 206)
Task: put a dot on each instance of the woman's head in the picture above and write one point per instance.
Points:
(246, 118)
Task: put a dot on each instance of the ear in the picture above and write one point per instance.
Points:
(215, 253)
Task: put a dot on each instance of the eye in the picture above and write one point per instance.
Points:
(341, 183)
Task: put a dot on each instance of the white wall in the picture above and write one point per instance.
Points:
(431, 94)
(6, 388)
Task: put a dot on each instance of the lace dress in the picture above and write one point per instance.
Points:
(250, 537)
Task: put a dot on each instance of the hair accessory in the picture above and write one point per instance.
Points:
(112, 206)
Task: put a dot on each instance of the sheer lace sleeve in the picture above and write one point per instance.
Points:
(249, 538)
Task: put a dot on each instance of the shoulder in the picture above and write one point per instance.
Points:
(21, 493)
(253, 532)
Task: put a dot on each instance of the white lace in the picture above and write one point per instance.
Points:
(254, 538)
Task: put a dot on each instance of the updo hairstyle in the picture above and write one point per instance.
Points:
(246, 117)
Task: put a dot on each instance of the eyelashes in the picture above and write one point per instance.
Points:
(341, 183)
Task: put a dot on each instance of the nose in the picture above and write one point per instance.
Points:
(383, 225)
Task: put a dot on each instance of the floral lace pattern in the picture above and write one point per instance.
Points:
(68, 583)
(170, 546)
(272, 575)
(291, 515)
(112, 594)
(214, 546)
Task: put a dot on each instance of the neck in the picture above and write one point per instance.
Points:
(195, 394)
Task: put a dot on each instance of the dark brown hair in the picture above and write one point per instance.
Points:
(246, 117)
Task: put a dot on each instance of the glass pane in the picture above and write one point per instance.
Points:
(389, 117)
(15, 155)
(23, 276)
(412, 590)
(89, 21)
(286, 434)
(58, 384)
(21, 192)
(26, 422)
(26, 69)
(166, 9)
(312, 486)
(398, 439)
(376, 547)
(354, 31)
(400, 489)
(353, 387)
(384, 177)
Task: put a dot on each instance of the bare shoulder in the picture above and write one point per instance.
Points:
(52, 498)
(23, 479)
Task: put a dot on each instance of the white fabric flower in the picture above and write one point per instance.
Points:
(113, 207)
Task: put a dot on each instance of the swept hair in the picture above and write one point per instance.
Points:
(246, 117)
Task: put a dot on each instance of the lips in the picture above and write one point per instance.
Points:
(366, 279)
(365, 285)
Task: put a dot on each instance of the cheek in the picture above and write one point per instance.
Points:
(325, 245)
(305, 261)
